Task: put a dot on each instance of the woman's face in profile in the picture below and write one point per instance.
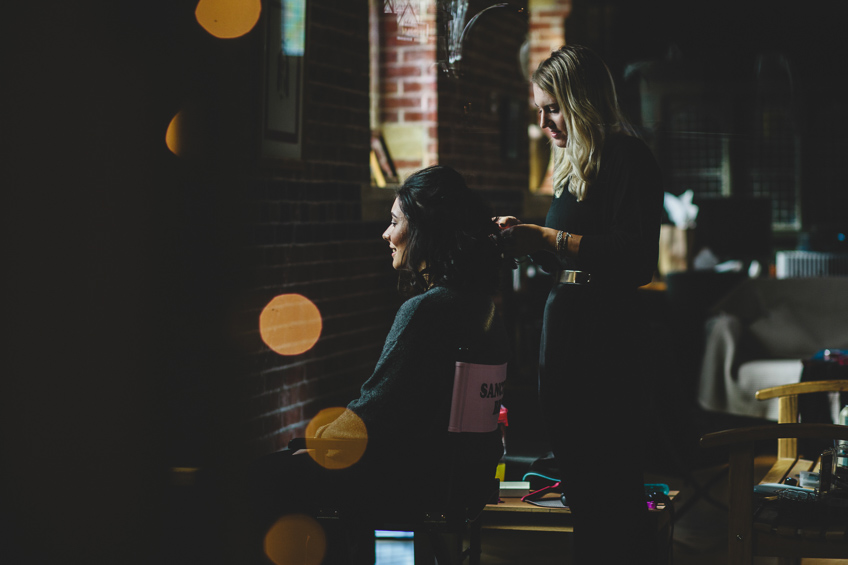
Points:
(551, 116)
(396, 235)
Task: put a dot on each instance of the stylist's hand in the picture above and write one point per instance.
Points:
(504, 222)
(523, 239)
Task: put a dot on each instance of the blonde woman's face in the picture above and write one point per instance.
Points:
(551, 116)
(397, 234)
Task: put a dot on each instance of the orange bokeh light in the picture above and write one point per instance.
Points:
(346, 426)
(323, 418)
(173, 135)
(290, 324)
(296, 538)
(227, 19)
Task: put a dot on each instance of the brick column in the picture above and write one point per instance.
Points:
(547, 28)
(408, 85)
(547, 32)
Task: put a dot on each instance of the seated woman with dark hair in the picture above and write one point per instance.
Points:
(447, 249)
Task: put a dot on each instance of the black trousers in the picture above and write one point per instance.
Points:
(591, 379)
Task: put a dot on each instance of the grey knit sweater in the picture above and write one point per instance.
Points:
(406, 401)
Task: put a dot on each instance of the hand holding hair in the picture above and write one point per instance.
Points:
(527, 239)
(505, 222)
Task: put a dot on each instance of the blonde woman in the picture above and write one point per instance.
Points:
(600, 241)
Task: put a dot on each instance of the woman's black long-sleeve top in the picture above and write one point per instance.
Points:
(619, 218)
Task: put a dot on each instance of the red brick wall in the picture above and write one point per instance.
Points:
(408, 79)
(547, 32)
(312, 243)
(297, 227)
(308, 238)
(465, 117)
(307, 232)
(482, 112)
(547, 28)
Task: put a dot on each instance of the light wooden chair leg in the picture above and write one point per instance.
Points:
(787, 448)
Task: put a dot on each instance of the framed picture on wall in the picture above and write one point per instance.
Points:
(282, 89)
(382, 166)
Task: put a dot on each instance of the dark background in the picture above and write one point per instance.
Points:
(122, 276)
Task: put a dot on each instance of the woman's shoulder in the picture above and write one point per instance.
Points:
(627, 151)
(625, 144)
(424, 302)
(440, 296)
(440, 309)
(444, 301)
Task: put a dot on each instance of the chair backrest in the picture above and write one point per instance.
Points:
(475, 406)
(787, 396)
(477, 394)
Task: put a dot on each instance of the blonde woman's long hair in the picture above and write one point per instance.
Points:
(578, 79)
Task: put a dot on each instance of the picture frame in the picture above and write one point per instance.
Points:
(284, 55)
(382, 166)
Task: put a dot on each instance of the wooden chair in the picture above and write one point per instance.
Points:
(439, 532)
(788, 542)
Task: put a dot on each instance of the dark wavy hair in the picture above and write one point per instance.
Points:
(451, 232)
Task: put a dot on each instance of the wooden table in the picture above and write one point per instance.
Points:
(514, 515)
